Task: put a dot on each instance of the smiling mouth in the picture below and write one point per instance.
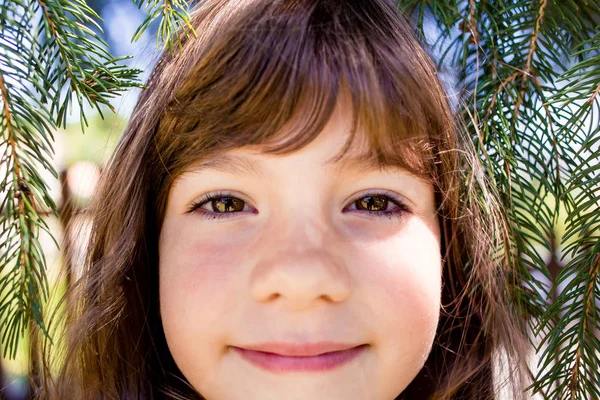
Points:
(274, 362)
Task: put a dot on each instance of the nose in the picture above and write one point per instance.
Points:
(301, 274)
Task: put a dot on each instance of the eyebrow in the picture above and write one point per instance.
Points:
(238, 164)
(229, 163)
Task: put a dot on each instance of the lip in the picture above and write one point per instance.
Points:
(286, 357)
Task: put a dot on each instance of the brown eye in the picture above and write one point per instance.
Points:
(379, 204)
(219, 205)
(227, 204)
(372, 203)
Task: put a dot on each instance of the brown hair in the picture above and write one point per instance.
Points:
(255, 67)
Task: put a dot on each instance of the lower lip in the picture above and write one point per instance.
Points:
(278, 363)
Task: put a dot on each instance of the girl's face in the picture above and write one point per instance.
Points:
(299, 257)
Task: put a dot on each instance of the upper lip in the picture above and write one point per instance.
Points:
(300, 349)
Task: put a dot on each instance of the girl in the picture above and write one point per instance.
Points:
(291, 214)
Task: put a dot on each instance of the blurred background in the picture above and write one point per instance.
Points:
(78, 159)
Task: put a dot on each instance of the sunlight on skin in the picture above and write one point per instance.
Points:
(300, 263)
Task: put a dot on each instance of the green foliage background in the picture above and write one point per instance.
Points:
(529, 76)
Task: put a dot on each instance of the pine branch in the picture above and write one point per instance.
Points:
(519, 164)
(47, 56)
(525, 107)
(594, 94)
(23, 284)
(575, 339)
(173, 19)
(77, 59)
(569, 23)
(588, 315)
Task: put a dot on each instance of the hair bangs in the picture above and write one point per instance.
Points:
(274, 78)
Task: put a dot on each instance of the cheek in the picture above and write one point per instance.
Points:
(405, 266)
(197, 263)
(197, 275)
(412, 276)
(404, 283)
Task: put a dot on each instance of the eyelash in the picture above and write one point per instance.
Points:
(400, 211)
